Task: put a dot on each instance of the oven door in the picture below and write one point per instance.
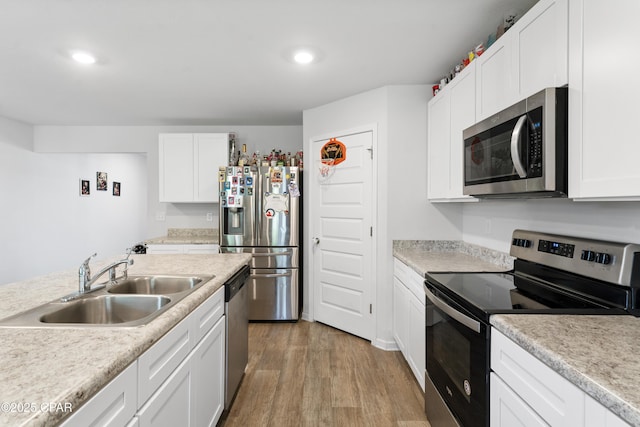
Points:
(457, 360)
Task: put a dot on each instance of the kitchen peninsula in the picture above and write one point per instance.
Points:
(62, 367)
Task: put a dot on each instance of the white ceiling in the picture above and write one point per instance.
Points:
(223, 62)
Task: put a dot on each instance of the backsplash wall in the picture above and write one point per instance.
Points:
(490, 223)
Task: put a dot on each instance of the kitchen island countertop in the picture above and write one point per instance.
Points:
(66, 366)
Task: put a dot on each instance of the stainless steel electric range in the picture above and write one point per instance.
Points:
(552, 274)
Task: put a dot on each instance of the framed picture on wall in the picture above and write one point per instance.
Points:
(116, 189)
(101, 182)
(84, 187)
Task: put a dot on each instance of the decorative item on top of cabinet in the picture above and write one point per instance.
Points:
(603, 148)
(188, 166)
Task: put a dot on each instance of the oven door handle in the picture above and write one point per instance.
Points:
(515, 146)
(474, 325)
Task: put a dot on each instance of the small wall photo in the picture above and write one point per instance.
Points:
(101, 182)
(116, 189)
(85, 190)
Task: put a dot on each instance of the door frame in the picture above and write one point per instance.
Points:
(309, 249)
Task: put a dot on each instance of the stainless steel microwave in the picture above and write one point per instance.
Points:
(520, 151)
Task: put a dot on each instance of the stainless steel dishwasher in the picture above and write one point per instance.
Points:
(237, 333)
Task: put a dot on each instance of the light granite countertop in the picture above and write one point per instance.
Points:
(186, 236)
(599, 354)
(449, 255)
(69, 365)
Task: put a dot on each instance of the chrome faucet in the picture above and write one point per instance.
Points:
(85, 281)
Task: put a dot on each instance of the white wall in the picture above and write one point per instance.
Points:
(490, 223)
(400, 115)
(45, 225)
(144, 139)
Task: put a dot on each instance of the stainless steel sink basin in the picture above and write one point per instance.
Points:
(107, 309)
(130, 302)
(157, 285)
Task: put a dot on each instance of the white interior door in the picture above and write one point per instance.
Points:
(341, 218)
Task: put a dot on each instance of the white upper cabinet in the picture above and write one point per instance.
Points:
(463, 115)
(494, 87)
(450, 112)
(438, 140)
(189, 166)
(530, 56)
(603, 146)
(540, 48)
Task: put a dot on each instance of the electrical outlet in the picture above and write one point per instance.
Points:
(487, 226)
(160, 216)
(210, 216)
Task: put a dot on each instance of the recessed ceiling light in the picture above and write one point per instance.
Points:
(303, 57)
(83, 57)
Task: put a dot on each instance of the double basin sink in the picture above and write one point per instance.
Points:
(127, 302)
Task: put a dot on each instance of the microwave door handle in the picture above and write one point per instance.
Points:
(515, 146)
(474, 325)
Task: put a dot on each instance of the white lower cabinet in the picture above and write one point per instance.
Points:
(170, 405)
(207, 386)
(179, 381)
(508, 409)
(114, 405)
(154, 249)
(526, 392)
(409, 317)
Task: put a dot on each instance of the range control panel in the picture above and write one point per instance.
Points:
(609, 261)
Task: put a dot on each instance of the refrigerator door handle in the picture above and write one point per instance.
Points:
(271, 254)
(270, 276)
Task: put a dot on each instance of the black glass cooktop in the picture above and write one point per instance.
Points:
(490, 293)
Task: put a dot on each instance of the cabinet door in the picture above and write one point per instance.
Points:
(114, 405)
(597, 415)
(507, 409)
(210, 153)
(170, 406)
(201, 249)
(208, 367)
(156, 364)
(603, 148)
(463, 115)
(494, 86)
(554, 398)
(438, 146)
(400, 315)
(206, 315)
(417, 339)
(176, 167)
(540, 41)
(164, 249)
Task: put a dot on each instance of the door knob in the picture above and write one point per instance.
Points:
(316, 241)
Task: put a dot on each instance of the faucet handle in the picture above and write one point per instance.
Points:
(84, 272)
(86, 261)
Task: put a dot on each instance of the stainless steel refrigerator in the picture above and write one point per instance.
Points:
(260, 214)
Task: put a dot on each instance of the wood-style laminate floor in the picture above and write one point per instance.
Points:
(309, 374)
